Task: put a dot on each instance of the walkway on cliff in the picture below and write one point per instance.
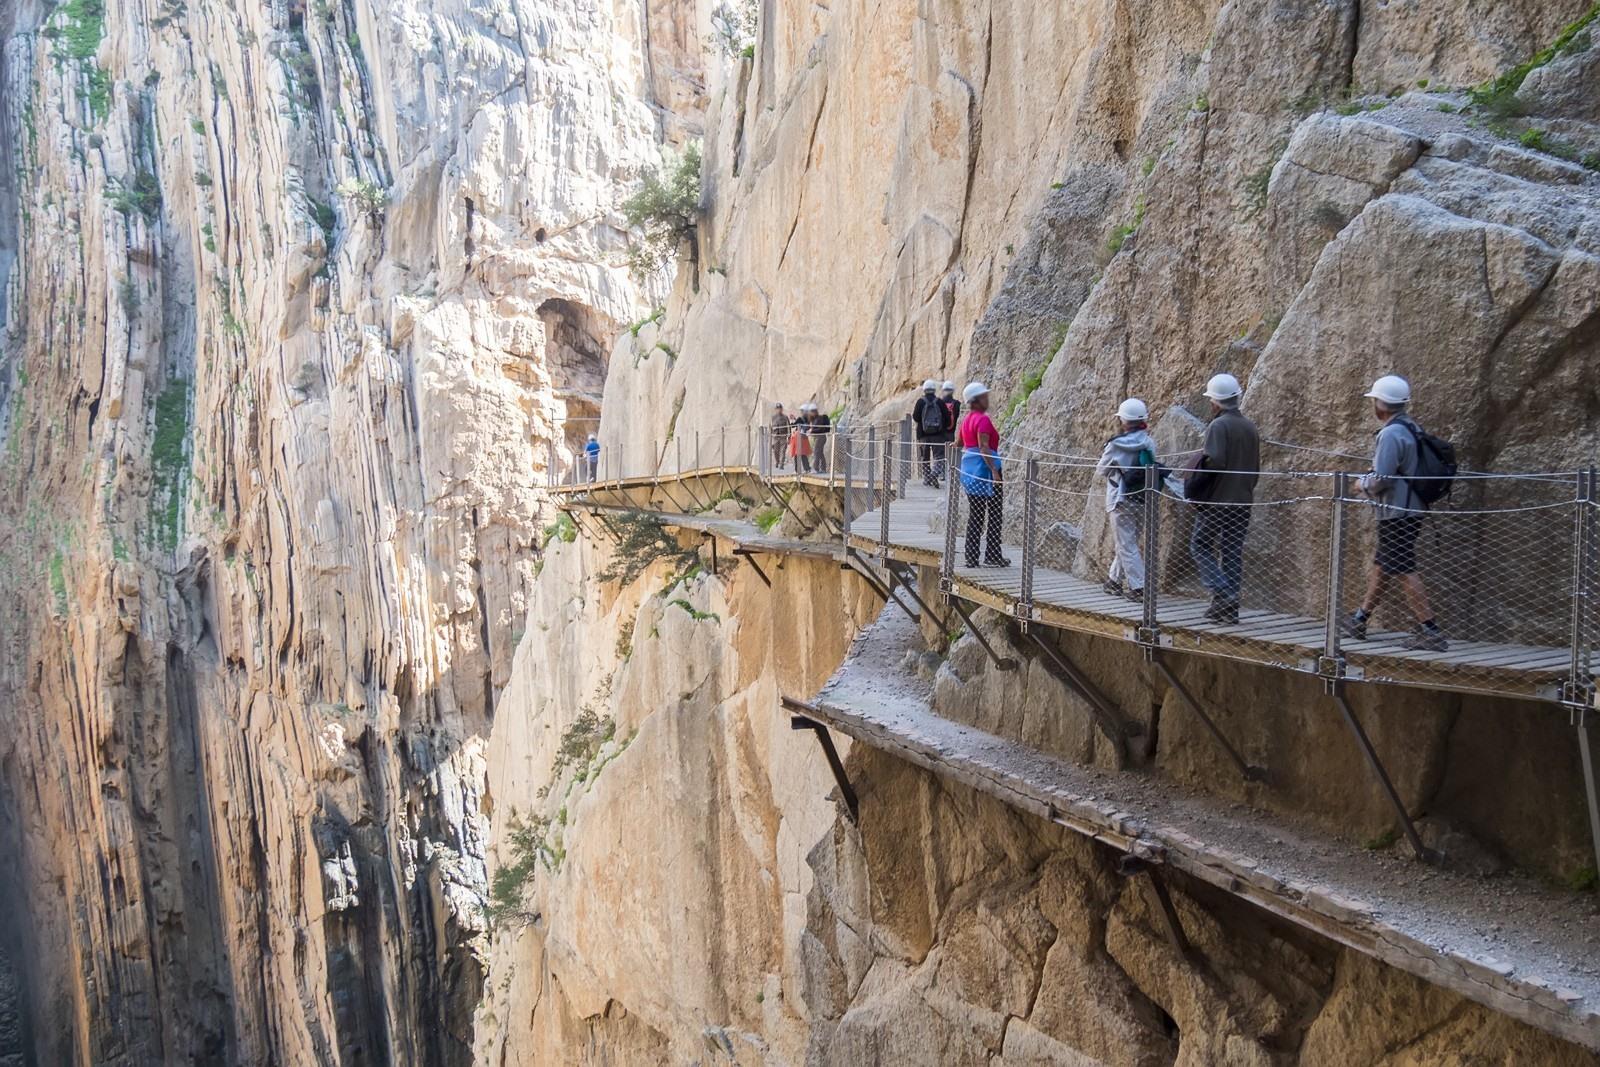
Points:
(1509, 943)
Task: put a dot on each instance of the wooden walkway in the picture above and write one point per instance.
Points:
(1065, 601)
(1274, 639)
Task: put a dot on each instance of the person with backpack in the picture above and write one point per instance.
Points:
(927, 421)
(1124, 465)
(1410, 470)
(821, 427)
(952, 420)
(780, 438)
(1221, 489)
(800, 442)
(981, 479)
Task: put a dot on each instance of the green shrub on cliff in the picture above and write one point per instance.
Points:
(509, 885)
(666, 213)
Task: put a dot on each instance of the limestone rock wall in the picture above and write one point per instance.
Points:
(297, 298)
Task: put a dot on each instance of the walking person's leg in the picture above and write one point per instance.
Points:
(1128, 554)
(1230, 550)
(995, 552)
(975, 515)
(1203, 548)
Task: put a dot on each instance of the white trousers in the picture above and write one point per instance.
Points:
(1128, 567)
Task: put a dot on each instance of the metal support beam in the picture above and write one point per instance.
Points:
(884, 589)
(1115, 725)
(829, 752)
(1003, 663)
(1589, 787)
(711, 537)
(1424, 853)
(1250, 771)
(750, 557)
(1129, 866)
(909, 584)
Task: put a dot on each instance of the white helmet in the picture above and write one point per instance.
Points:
(973, 391)
(1132, 410)
(1391, 389)
(592, 437)
(808, 407)
(948, 387)
(1223, 387)
(929, 385)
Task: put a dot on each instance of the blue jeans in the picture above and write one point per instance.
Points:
(1217, 545)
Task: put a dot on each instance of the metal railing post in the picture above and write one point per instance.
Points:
(883, 511)
(677, 454)
(952, 508)
(722, 448)
(1149, 633)
(1030, 529)
(550, 470)
(872, 463)
(848, 504)
(1580, 695)
(697, 465)
(1332, 667)
(906, 455)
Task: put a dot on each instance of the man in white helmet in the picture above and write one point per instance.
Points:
(927, 422)
(591, 456)
(1222, 488)
(1124, 465)
(1400, 512)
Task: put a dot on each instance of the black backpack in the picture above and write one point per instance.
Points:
(932, 416)
(1435, 472)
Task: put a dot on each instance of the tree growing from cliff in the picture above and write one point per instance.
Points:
(665, 212)
(733, 28)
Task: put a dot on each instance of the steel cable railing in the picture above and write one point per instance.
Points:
(1505, 566)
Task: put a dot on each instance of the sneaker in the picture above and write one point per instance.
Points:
(1001, 562)
(1353, 626)
(1427, 641)
(1135, 595)
(1114, 588)
(1223, 612)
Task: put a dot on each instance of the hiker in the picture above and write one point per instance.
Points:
(591, 455)
(980, 478)
(1221, 488)
(1400, 509)
(800, 442)
(780, 438)
(1124, 465)
(927, 421)
(821, 429)
(952, 419)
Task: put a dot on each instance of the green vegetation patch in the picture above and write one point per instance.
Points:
(695, 613)
(141, 194)
(509, 885)
(168, 462)
(1122, 231)
(1499, 95)
(665, 210)
(767, 518)
(563, 530)
(82, 27)
(642, 542)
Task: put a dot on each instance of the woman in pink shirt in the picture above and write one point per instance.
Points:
(981, 479)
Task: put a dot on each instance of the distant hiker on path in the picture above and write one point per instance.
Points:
(1221, 489)
(821, 429)
(980, 479)
(1402, 504)
(591, 456)
(952, 419)
(780, 438)
(927, 421)
(800, 443)
(1124, 465)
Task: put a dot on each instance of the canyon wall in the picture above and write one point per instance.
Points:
(301, 300)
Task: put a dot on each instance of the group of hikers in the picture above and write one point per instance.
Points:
(1219, 484)
(803, 439)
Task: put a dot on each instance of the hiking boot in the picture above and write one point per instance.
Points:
(1135, 595)
(1427, 641)
(1353, 626)
(1112, 587)
(1001, 562)
(1224, 612)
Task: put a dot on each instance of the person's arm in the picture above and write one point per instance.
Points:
(1103, 468)
(990, 457)
(1385, 464)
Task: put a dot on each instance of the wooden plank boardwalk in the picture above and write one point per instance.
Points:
(1272, 638)
(1066, 601)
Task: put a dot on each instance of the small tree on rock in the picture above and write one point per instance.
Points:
(666, 213)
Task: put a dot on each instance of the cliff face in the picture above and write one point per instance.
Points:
(301, 299)
(296, 300)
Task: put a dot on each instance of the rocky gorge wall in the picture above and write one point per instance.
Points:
(297, 298)
(300, 299)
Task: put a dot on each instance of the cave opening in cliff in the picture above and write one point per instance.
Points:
(577, 354)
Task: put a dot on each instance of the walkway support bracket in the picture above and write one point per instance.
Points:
(1116, 726)
(885, 589)
(909, 584)
(750, 557)
(1249, 771)
(1129, 866)
(1004, 663)
(1424, 853)
(804, 722)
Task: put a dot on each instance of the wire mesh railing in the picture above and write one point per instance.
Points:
(1492, 589)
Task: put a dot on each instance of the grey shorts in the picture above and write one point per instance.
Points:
(1397, 544)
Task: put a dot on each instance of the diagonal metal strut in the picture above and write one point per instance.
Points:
(801, 722)
(1424, 853)
(1250, 771)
